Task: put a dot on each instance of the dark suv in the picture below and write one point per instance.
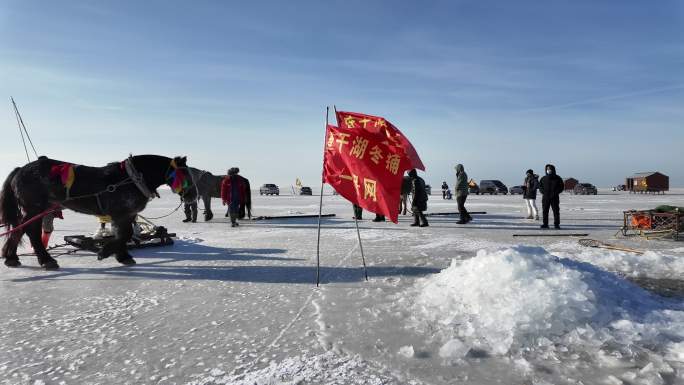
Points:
(493, 187)
(269, 189)
(585, 189)
(305, 191)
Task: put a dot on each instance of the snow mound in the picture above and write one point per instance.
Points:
(654, 264)
(517, 300)
(326, 368)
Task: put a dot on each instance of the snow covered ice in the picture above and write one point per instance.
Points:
(525, 303)
(444, 304)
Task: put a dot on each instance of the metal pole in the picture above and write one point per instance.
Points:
(358, 233)
(20, 131)
(363, 257)
(16, 110)
(320, 208)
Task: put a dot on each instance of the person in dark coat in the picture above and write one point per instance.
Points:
(445, 188)
(233, 194)
(530, 187)
(551, 185)
(462, 194)
(420, 199)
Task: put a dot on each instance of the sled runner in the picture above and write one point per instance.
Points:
(151, 237)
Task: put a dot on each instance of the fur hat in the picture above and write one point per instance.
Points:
(233, 171)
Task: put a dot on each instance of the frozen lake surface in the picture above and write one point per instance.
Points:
(444, 304)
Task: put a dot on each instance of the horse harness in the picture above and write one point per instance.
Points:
(133, 177)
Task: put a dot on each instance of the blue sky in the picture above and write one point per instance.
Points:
(499, 86)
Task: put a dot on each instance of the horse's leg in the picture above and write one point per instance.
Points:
(44, 259)
(124, 232)
(9, 249)
(208, 215)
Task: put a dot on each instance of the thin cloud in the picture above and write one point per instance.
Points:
(605, 98)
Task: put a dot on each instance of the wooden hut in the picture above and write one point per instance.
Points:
(648, 182)
(570, 184)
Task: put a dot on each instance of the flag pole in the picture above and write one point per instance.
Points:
(363, 258)
(320, 208)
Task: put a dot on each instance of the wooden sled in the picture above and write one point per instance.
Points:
(156, 238)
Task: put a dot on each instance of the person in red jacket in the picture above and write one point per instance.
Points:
(234, 193)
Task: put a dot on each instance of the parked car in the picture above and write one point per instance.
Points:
(585, 189)
(428, 189)
(517, 190)
(269, 189)
(305, 191)
(493, 187)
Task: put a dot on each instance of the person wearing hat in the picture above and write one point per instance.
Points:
(420, 199)
(462, 194)
(551, 186)
(530, 186)
(445, 188)
(233, 194)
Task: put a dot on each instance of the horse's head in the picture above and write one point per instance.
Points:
(180, 179)
(180, 162)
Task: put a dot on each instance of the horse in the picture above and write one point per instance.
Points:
(208, 186)
(120, 190)
(406, 187)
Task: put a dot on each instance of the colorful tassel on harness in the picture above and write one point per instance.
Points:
(65, 173)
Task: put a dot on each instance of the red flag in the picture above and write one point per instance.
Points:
(365, 160)
(377, 124)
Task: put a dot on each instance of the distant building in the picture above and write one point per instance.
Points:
(648, 182)
(570, 184)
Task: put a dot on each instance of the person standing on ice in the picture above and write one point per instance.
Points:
(531, 185)
(420, 199)
(462, 194)
(233, 193)
(445, 188)
(358, 212)
(551, 185)
(189, 207)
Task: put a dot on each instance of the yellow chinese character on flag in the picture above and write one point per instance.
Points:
(380, 123)
(331, 139)
(375, 154)
(355, 179)
(365, 121)
(349, 121)
(393, 163)
(369, 189)
(342, 140)
(359, 147)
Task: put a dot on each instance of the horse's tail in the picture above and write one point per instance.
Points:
(9, 206)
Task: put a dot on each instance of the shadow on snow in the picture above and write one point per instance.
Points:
(165, 267)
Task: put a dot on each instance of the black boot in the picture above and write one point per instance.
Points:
(416, 219)
(423, 220)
